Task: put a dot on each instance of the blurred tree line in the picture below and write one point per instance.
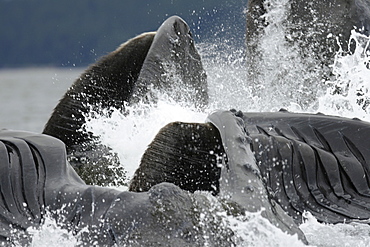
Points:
(77, 32)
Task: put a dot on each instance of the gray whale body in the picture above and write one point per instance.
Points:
(286, 163)
(36, 178)
(307, 162)
(282, 162)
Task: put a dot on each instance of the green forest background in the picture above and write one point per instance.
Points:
(77, 32)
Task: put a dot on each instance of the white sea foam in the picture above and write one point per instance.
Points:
(349, 94)
(352, 234)
(51, 234)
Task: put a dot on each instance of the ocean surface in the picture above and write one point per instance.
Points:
(28, 96)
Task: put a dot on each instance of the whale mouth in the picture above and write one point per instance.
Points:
(185, 154)
(165, 63)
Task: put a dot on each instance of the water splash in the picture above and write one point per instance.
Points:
(226, 76)
(349, 93)
(254, 230)
(51, 234)
(129, 133)
(280, 77)
(319, 234)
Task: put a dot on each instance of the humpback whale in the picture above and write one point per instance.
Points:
(136, 72)
(307, 162)
(281, 163)
(36, 178)
(286, 163)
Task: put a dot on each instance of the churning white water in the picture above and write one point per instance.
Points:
(352, 82)
(347, 95)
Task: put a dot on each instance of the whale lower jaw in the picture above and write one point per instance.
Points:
(240, 180)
